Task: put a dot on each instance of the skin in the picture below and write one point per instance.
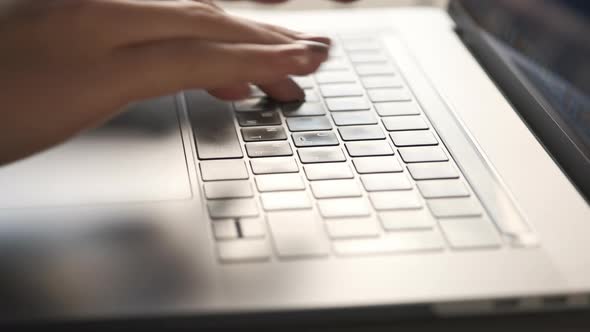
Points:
(70, 65)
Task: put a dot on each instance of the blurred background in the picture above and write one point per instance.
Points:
(324, 4)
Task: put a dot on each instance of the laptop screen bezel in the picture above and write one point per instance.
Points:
(530, 105)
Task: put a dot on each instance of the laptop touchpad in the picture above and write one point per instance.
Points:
(136, 157)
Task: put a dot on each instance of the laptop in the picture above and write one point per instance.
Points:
(438, 167)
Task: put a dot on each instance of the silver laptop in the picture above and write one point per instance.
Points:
(440, 166)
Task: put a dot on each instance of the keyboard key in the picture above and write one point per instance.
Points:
(213, 127)
(397, 108)
(252, 227)
(253, 119)
(321, 155)
(341, 90)
(443, 189)
(380, 81)
(367, 57)
(392, 243)
(413, 138)
(255, 92)
(369, 149)
(455, 207)
(386, 182)
(334, 64)
(348, 104)
(423, 154)
(361, 44)
(433, 171)
(389, 95)
(375, 69)
(395, 200)
(225, 230)
(329, 77)
(303, 109)
(309, 123)
(232, 208)
(274, 165)
(344, 208)
(295, 200)
(305, 82)
(407, 220)
(228, 189)
(243, 251)
(319, 138)
(263, 134)
(279, 182)
(352, 228)
(311, 96)
(255, 105)
(361, 133)
(298, 234)
(268, 149)
(216, 170)
(331, 171)
(370, 165)
(399, 123)
(335, 189)
(470, 233)
(354, 118)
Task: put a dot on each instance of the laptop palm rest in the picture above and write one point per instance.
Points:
(136, 157)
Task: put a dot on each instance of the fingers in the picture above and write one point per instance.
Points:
(234, 92)
(170, 66)
(135, 22)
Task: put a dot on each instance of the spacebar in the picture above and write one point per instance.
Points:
(213, 125)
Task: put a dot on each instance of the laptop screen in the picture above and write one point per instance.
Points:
(547, 42)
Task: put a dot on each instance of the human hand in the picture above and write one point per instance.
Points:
(68, 65)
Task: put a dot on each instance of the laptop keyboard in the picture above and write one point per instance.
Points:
(357, 169)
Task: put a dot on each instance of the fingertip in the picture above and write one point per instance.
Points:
(285, 90)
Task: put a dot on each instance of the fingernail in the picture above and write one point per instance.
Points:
(315, 38)
(316, 47)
